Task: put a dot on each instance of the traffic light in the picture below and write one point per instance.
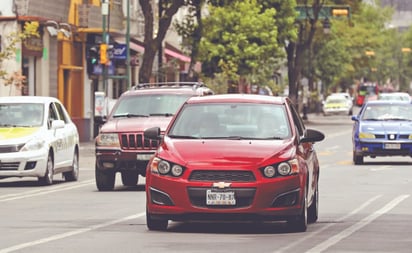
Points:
(341, 11)
(92, 59)
(104, 59)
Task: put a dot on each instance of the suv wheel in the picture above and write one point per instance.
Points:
(130, 178)
(104, 179)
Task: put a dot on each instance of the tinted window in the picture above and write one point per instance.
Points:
(150, 104)
(61, 112)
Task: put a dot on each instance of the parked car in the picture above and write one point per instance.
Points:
(345, 94)
(395, 96)
(38, 139)
(234, 157)
(337, 104)
(382, 128)
(120, 144)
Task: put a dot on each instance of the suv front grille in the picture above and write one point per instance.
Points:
(138, 142)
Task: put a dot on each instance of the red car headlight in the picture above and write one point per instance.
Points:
(286, 168)
(163, 167)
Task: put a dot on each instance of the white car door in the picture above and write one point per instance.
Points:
(70, 135)
(58, 137)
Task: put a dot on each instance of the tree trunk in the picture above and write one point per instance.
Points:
(151, 44)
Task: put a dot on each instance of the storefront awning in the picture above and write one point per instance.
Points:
(177, 55)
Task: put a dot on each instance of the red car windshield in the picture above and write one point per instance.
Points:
(230, 120)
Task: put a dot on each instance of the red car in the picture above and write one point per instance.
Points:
(234, 157)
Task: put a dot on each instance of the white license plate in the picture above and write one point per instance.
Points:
(220, 198)
(144, 157)
(392, 146)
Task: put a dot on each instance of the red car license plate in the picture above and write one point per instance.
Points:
(220, 197)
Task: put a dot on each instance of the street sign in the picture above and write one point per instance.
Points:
(119, 52)
(326, 12)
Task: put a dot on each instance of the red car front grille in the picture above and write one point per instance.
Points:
(226, 176)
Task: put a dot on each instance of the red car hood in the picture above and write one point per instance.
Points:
(135, 124)
(225, 152)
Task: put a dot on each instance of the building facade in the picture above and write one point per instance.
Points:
(57, 63)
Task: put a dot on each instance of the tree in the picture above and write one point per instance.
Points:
(240, 40)
(341, 57)
(152, 42)
(9, 51)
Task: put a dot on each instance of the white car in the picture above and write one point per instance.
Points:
(337, 104)
(37, 139)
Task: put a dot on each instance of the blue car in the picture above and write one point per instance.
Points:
(382, 128)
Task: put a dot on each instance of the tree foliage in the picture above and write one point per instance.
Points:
(241, 39)
(9, 51)
(345, 55)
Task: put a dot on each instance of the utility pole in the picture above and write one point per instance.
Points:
(128, 45)
(160, 50)
(105, 42)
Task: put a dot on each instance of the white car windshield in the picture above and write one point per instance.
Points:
(232, 121)
(21, 114)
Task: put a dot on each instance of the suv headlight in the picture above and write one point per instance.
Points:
(111, 140)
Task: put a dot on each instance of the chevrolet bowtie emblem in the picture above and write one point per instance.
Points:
(221, 185)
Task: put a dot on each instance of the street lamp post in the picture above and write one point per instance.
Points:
(105, 41)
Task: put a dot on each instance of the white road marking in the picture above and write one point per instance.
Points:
(357, 210)
(386, 167)
(338, 134)
(44, 191)
(70, 233)
(355, 227)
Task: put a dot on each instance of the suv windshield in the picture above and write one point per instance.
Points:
(149, 105)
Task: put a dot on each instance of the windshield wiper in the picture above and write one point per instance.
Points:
(167, 114)
(396, 119)
(130, 115)
(183, 136)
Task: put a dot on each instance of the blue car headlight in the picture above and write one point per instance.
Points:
(363, 135)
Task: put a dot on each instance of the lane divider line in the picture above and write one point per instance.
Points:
(70, 233)
(355, 227)
(308, 236)
(33, 193)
